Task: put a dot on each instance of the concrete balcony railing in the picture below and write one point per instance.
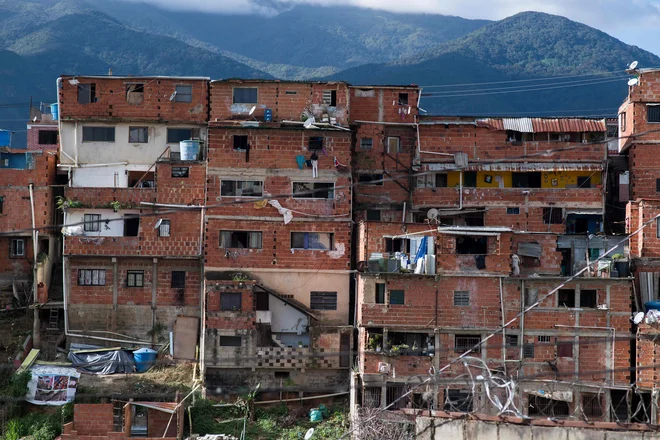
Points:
(102, 197)
(110, 246)
(295, 358)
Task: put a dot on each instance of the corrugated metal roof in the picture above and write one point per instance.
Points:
(545, 125)
(168, 407)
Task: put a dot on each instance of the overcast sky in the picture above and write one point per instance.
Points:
(632, 21)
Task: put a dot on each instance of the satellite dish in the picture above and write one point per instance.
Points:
(34, 119)
(309, 122)
(309, 433)
(254, 107)
(633, 65)
(638, 317)
(158, 223)
(172, 96)
(432, 214)
(633, 81)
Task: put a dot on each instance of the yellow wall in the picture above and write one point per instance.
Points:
(563, 178)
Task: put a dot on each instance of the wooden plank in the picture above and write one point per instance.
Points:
(185, 337)
(29, 360)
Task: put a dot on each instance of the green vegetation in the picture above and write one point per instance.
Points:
(275, 423)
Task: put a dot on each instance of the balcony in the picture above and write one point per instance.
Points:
(294, 358)
(106, 246)
(103, 197)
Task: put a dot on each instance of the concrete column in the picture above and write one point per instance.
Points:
(436, 367)
(115, 293)
(154, 290)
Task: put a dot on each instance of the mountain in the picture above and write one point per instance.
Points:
(526, 46)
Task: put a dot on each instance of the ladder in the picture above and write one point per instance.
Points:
(54, 319)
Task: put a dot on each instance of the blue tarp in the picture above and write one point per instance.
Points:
(421, 250)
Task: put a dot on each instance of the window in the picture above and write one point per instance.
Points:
(528, 351)
(241, 188)
(589, 299)
(393, 245)
(183, 94)
(18, 247)
(438, 180)
(592, 405)
(48, 137)
(584, 182)
(526, 180)
(164, 229)
(565, 349)
(397, 297)
(231, 301)
(323, 300)
(373, 215)
(131, 225)
(511, 340)
(92, 223)
(472, 245)
(86, 93)
(176, 135)
(461, 298)
(282, 375)
(513, 211)
(138, 135)
(315, 143)
(542, 406)
(313, 190)
(553, 216)
(135, 94)
(98, 134)
(393, 145)
(240, 142)
(230, 341)
(366, 143)
(245, 95)
(377, 179)
(178, 279)
(463, 343)
(135, 278)
(566, 298)
(330, 97)
(403, 99)
(458, 401)
(240, 239)
(380, 293)
(312, 240)
(2, 203)
(180, 171)
(91, 277)
(622, 121)
(653, 113)
(470, 179)
(543, 339)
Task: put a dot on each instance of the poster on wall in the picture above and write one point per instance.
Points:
(52, 385)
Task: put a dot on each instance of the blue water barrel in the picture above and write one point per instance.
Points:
(55, 111)
(145, 358)
(652, 305)
(189, 149)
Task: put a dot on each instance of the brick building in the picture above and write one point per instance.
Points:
(278, 236)
(133, 149)
(433, 286)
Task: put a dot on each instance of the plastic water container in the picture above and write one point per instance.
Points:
(145, 358)
(315, 415)
(55, 111)
(189, 149)
(652, 305)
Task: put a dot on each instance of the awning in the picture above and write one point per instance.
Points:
(534, 166)
(473, 230)
(168, 407)
(545, 125)
(584, 211)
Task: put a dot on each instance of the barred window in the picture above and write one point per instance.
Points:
(91, 277)
(323, 300)
(135, 278)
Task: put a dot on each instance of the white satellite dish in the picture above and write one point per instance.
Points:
(309, 433)
(172, 96)
(309, 122)
(432, 214)
(633, 81)
(254, 107)
(74, 82)
(34, 119)
(158, 223)
(633, 65)
(638, 317)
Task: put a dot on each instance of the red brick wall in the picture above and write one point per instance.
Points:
(33, 137)
(375, 103)
(101, 197)
(19, 267)
(94, 419)
(273, 95)
(646, 243)
(158, 422)
(276, 250)
(216, 318)
(643, 163)
(181, 190)
(371, 235)
(111, 100)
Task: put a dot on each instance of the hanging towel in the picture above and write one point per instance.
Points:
(260, 203)
(301, 161)
(286, 213)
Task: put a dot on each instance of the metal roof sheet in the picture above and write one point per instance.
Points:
(545, 125)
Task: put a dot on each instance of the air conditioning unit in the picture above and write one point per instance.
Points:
(383, 367)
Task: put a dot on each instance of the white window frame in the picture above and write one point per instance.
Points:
(330, 234)
(93, 224)
(15, 248)
(165, 229)
(233, 96)
(398, 144)
(249, 239)
(178, 95)
(233, 180)
(139, 130)
(312, 197)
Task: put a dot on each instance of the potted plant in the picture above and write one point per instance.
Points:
(300, 344)
(240, 278)
(375, 342)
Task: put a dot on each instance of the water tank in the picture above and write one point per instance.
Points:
(55, 111)
(652, 305)
(145, 358)
(189, 149)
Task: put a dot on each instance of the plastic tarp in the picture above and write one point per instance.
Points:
(104, 362)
